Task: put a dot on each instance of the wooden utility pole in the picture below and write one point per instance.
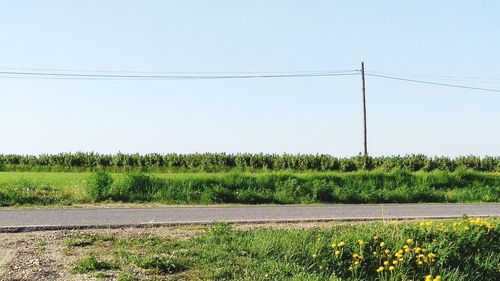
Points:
(364, 106)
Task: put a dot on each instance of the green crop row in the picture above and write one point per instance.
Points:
(213, 162)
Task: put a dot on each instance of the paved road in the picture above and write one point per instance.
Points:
(28, 220)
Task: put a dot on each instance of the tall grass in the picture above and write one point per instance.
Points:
(397, 186)
(291, 188)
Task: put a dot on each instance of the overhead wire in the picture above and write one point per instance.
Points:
(173, 72)
(433, 83)
(86, 74)
(24, 74)
(438, 76)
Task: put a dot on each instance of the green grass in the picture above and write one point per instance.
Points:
(24, 188)
(91, 264)
(467, 249)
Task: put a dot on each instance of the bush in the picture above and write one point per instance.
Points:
(139, 187)
(99, 187)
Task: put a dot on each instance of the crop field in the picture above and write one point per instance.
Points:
(466, 249)
(284, 187)
(216, 162)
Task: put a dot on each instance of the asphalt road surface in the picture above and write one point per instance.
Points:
(47, 219)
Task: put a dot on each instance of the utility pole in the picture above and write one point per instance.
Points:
(364, 106)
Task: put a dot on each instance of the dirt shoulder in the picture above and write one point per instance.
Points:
(43, 255)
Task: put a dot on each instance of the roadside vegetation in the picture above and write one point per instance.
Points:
(285, 187)
(465, 249)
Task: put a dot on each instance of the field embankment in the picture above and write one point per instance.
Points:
(397, 186)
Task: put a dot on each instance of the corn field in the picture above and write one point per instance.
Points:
(246, 162)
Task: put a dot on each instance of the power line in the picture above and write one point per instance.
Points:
(18, 74)
(173, 72)
(81, 74)
(438, 76)
(433, 83)
(463, 79)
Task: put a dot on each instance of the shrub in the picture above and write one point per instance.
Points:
(139, 187)
(99, 186)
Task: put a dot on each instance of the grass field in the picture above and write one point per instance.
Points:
(45, 188)
(466, 249)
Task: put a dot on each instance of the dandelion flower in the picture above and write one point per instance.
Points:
(386, 263)
(428, 278)
(391, 268)
(409, 241)
(382, 244)
(380, 269)
(341, 244)
(438, 278)
(337, 253)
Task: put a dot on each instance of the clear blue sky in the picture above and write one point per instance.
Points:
(307, 115)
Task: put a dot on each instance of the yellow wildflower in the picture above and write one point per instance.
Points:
(395, 262)
(341, 244)
(337, 253)
(361, 242)
(386, 263)
(438, 278)
(380, 269)
(428, 278)
(382, 244)
(387, 251)
(334, 245)
(391, 268)
(409, 241)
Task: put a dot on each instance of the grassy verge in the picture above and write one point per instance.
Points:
(18, 188)
(466, 249)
